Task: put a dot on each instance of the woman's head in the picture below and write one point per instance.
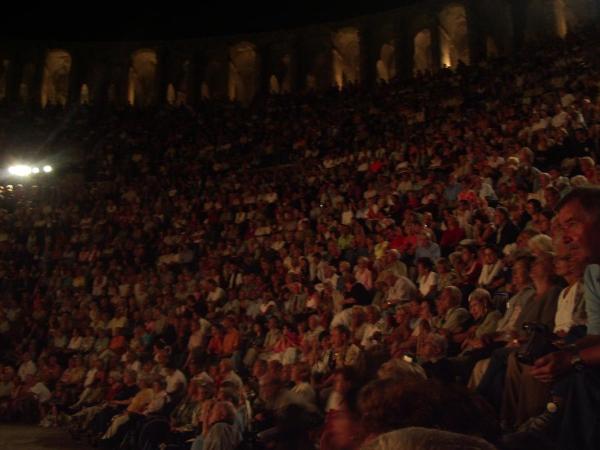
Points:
(424, 265)
(540, 244)
(390, 404)
(468, 254)
(479, 303)
(521, 270)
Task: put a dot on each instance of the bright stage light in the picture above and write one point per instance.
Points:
(35, 170)
(20, 170)
(47, 169)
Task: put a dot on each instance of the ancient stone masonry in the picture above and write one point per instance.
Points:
(426, 36)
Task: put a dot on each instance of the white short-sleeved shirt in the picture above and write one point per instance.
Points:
(427, 282)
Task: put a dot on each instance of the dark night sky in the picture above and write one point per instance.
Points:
(95, 20)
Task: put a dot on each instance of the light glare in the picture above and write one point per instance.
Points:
(35, 170)
(47, 169)
(20, 170)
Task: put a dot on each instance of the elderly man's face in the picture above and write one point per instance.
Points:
(578, 233)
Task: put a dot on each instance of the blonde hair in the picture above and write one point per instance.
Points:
(482, 296)
(540, 243)
(579, 180)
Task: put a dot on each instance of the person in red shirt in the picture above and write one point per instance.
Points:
(451, 236)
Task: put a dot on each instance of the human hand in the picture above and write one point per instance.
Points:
(547, 368)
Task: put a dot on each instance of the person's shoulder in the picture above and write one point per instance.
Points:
(417, 437)
(462, 311)
(494, 315)
(591, 277)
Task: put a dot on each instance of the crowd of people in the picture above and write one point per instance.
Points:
(413, 265)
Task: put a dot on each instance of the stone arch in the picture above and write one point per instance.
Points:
(423, 57)
(346, 57)
(386, 65)
(142, 78)
(243, 72)
(182, 90)
(454, 35)
(55, 81)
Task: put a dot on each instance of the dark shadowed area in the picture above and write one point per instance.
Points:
(24, 437)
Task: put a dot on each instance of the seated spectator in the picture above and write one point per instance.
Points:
(468, 269)
(492, 276)
(451, 318)
(426, 248)
(427, 278)
(401, 290)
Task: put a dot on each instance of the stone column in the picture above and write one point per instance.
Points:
(477, 39)
(436, 50)
(119, 76)
(265, 70)
(163, 75)
(218, 54)
(518, 14)
(198, 74)
(193, 81)
(319, 58)
(77, 74)
(405, 51)
(39, 63)
(15, 73)
(298, 66)
(369, 54)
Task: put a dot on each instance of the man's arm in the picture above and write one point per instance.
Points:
(549, 367)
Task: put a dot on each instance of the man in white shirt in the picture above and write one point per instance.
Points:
(330, 276)
(119, 321)
(374, 327)
(570, 309)
(176, 382)
(39, 390)
(27, 367)
(401, 290)
(215, 292)
(490, 277)
(560, 118)
(227, 373)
